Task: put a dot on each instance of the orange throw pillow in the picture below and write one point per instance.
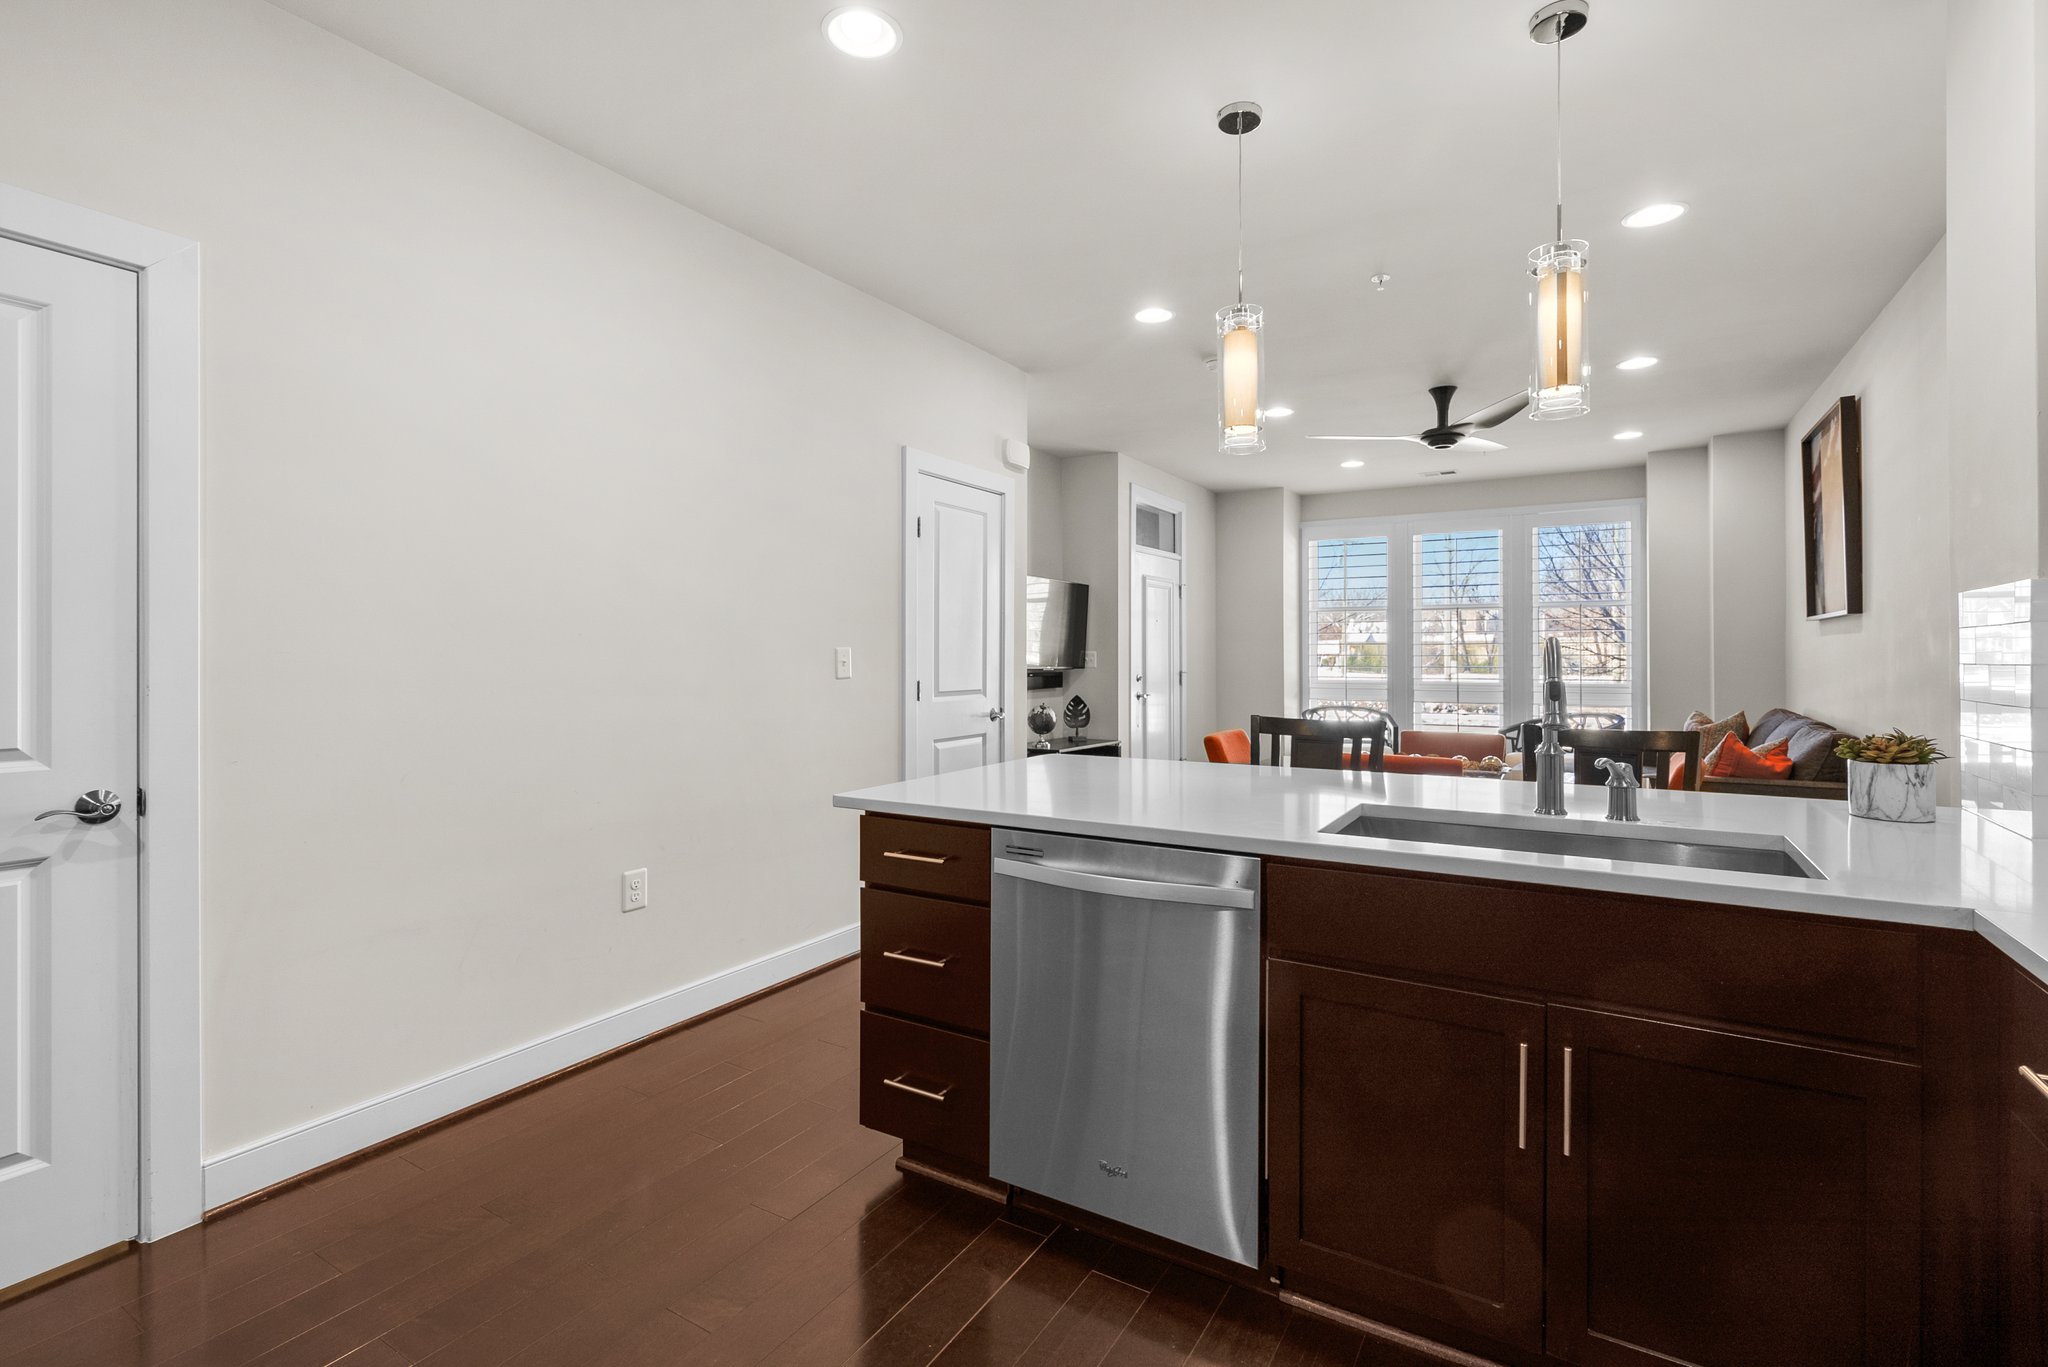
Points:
(1733, 759)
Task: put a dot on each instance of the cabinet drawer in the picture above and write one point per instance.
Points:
(2026, 1046)
(926, 958)
(925, 1085)
(1814, 975)
(934, 857)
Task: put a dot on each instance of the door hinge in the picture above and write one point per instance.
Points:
(142, 802)
(1180, 590)
(920, 692)
(920, 529)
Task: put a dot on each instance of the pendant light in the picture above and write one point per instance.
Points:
(1240, 327)
(1560, 384)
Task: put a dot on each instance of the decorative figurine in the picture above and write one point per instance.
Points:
(1077, 715)
(1042, 723)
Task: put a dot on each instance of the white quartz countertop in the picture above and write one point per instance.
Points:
(1958, 871)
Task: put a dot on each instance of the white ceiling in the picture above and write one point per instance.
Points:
(1026, 175)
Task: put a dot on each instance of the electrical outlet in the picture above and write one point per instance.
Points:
(1087, 659)
(842, 662)
(633, 890)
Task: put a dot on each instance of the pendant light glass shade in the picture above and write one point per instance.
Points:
(1239, 354)
(1561, 383)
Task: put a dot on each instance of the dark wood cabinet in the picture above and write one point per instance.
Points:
(1728, 1163)
(924, 941)
(1405, 1134)
(2025, 1199)
(1720, 1199)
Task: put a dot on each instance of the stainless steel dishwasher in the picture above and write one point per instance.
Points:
(1124, 1034)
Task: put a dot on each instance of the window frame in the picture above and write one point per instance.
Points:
(1517, 527)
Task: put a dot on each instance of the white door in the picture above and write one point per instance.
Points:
(957, 620)
(67, 726)
(1155, 651)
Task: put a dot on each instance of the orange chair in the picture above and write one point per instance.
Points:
(1228, 747)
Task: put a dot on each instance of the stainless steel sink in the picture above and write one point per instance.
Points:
(1772, 855)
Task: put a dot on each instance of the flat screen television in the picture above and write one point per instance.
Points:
(1055, 623)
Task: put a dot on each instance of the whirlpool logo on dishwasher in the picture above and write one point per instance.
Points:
(1111, 1168)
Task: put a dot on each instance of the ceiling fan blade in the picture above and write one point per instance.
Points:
(1496, 414)
(1477, 444)
(1413, 439)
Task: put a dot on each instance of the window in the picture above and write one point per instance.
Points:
(1347, 622)
(1458, 645)
(1440, 620)
(1581, 584)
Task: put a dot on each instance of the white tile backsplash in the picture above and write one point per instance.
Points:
(1997, 642)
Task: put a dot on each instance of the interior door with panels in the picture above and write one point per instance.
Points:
(67, 726)
(1405, 1146)
(957, 621)
(1722, 1200)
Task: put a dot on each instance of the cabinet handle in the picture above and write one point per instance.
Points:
(2040, 1083)
(900, 1085)
(1567, 1101)
(920, 960)
(1522, 1102)
(916, 858)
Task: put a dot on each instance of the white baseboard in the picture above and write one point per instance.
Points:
(232, 1176)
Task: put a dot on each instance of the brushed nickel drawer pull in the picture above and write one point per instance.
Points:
(900, 1085)
(920, 960)
(915, 858)
(1522, 1103)
(2040, 1083)
(1567, 1101)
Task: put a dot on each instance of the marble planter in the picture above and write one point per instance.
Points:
(1891, 792)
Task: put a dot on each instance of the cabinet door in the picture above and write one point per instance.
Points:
(2026, 1173)
(1405, 1135)
(1726, 1201)
(2026, 1246)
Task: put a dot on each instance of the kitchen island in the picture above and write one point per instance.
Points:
(1546, 1106)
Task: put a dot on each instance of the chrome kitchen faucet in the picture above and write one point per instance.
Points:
(1549, 754)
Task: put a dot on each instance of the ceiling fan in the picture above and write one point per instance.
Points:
(1447, 434)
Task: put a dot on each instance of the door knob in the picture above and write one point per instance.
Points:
(93, 809)
(996, 714)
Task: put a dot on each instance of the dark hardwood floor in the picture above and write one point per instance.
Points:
(705, 1200)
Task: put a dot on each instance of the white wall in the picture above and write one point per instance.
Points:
(1678, 584)
(1997, 235)
(524, 488)
(1258, 605)
(1746, 508)
(1045, 546)
(1586, 486)
(1894, 663)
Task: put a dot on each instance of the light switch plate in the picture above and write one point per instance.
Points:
(1087, 659)
(842, 662)
(633, 890)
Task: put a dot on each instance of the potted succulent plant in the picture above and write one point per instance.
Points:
(1891, 778)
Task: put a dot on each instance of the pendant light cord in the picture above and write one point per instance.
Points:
(1240, 210)
(1559, 45)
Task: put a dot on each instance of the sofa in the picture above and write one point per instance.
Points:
(1816, 770)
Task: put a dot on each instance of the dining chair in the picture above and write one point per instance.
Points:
(1354, 711)
(1310, 744)
(1647, 752)
(1228, 747)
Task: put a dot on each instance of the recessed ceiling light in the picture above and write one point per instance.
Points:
(1283, 411)
(1350, 464)
(1155, 314)
(1650, 215)
(860, 32)
(1636, 363)
(1629, 435)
